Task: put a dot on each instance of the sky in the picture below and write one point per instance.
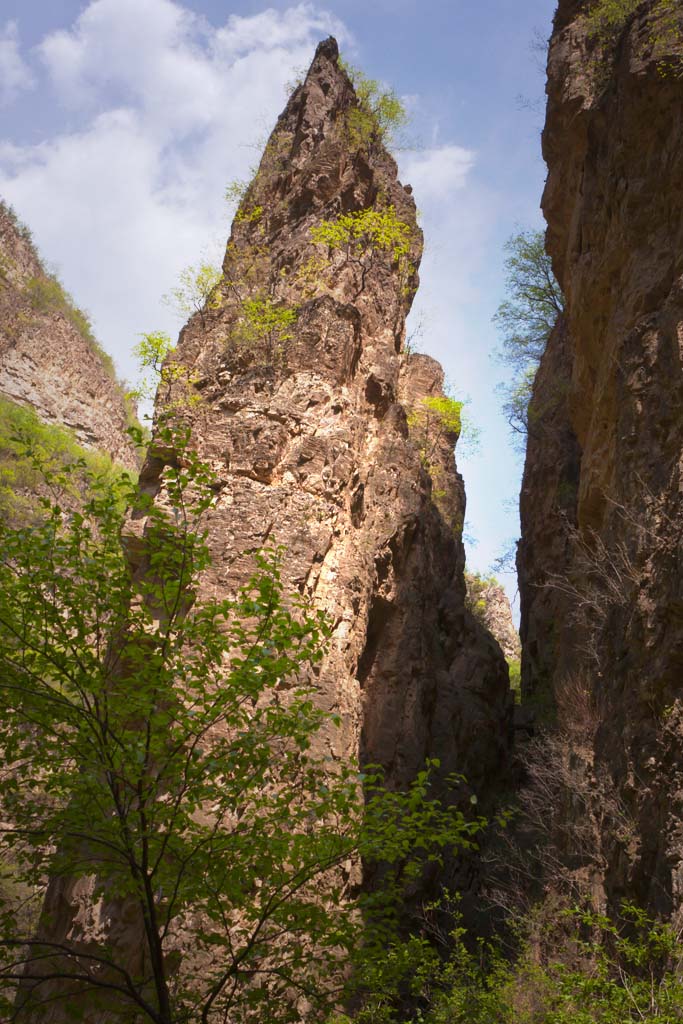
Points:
(124, 120)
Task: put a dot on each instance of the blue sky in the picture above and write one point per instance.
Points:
(125, 119)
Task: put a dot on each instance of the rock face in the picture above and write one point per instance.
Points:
(488, 601)
(48, 361)
(600, 560)
(548, 514)
(306, 426)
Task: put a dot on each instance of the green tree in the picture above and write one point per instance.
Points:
(196, 292)
(161, 750)
(153, 352)
(379, 114)
(362, 237)
(435, 420)
(364, 231)
(266, 325)
(525, 319)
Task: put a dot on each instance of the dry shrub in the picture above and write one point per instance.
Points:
(566, 815)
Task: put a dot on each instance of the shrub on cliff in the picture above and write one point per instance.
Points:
(606, 20)
(164, 755)
(606, 17)
(379, 114)
(196, 292)
(27, 443)
(46, 294)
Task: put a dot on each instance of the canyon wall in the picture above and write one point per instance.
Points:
(49, 360)
(600, 557)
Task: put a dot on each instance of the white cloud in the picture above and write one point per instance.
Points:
(165, 109)
(15, 75)
(270, 30)
(437, 172)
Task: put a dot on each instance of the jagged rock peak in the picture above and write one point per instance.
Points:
(324, 159)
(325, 90)
(320, 441)
(296, 387)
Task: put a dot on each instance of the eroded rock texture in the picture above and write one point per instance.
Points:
(548, 514)
(309, 437)
(46, 362)
(600, 560)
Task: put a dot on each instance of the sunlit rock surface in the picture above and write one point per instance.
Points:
(46, 363)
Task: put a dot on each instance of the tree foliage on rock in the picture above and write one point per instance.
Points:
(378, 115)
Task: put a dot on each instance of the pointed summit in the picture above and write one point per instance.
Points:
(327, 48)
(326, 80)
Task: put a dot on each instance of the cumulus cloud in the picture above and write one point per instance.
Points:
(15, 75)
(437, 172)
(166, 109)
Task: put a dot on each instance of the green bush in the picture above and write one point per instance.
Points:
(606, 20)
(22, 230)
(608, 971)
(365, 230)
(477, 585)
(434, 421)
(265, 326)
(47, 294)
(380, 114)
(515, 675)
(607, 17)
(361, 236)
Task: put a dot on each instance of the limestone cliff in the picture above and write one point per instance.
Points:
(600, 559)
(49, 360)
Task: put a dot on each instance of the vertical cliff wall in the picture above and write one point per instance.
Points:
(49, 360)
(600, 559)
